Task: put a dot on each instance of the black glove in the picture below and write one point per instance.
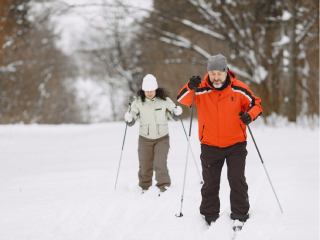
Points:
(194, 82)
(245, 117)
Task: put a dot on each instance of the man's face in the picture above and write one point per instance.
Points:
(217, 78)
(150, 94)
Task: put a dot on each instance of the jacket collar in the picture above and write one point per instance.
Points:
(151, 100)
(230, 78)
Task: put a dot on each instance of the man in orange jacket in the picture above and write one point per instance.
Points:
(225, 106)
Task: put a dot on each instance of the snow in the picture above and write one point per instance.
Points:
(77, 26)
(57, 182)
(284, 40)
(11, 67)
(202, 29)
(262, 72)
(95, 98)
(302, 34)
(286, 16)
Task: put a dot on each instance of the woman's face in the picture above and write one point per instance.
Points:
(150, 94)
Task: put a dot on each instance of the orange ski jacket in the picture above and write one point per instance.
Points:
(218, 110)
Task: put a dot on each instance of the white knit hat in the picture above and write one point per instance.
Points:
(149, 83)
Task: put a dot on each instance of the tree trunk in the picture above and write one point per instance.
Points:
(291, 107)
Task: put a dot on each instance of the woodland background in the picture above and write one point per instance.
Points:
(83, 61)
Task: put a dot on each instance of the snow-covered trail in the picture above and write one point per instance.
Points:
(57, 182)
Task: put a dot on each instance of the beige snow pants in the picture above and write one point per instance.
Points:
(153, 156)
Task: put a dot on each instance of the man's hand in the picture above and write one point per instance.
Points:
(177, 111)
(128, 117)
(194, 82)
(245, 117)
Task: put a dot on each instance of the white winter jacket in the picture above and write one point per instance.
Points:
(153, 115)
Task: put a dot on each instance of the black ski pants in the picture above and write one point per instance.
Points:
(212, 160)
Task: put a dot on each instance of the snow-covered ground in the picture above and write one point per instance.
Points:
(57, 182)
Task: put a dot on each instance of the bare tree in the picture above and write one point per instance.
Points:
(34, 72)
(110, 53)
(258, 38)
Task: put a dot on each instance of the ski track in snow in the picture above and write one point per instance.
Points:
(57, 182)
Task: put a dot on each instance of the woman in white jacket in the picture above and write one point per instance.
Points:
(153, 108)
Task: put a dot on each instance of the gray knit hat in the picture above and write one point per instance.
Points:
(217, 62)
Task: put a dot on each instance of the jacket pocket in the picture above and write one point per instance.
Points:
(162, 129)
(202, 133)
(244, 135)
(144, 130)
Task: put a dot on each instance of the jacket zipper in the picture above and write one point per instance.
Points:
(218, 120)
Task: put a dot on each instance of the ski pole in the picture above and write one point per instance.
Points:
(265, 168)
(124, 138)
(185, 170)
(201, 181)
